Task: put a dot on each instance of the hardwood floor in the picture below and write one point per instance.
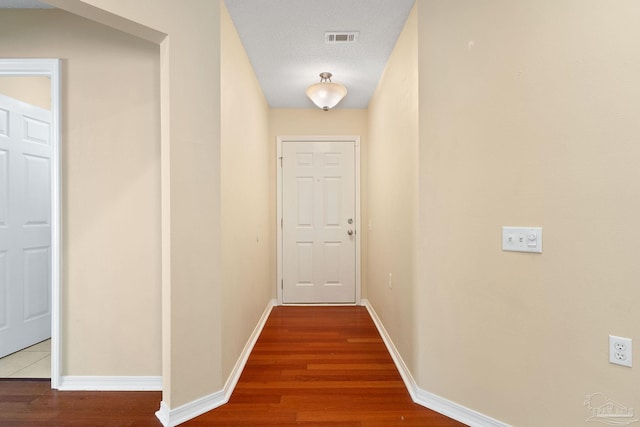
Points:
(311, 366)
(320, 366)
(32, 403)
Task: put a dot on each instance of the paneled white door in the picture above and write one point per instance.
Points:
(318, 222)
(25, 225)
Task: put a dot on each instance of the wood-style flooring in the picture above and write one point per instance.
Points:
(321, 366)
(32, 403)
(311, 366)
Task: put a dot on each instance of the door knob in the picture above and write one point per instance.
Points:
(350, 232)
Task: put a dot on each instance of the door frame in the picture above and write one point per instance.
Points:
(280, 140)
(48, 67)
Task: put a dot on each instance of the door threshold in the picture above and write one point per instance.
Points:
(320, 304)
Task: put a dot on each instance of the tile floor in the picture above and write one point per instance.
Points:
(32, 362)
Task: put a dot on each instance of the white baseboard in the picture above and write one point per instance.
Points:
(230, 385)
(163, 414)
(110, 383)
(409, 382)
(457, 412)
(424, 398)
(173, 417)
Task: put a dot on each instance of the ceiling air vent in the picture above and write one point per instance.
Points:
(334, 37)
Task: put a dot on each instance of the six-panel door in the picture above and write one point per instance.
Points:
(25, 225)
(318, 207)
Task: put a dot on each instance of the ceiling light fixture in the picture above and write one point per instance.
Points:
(326, 94)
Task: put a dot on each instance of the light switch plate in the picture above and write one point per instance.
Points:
(522, 239)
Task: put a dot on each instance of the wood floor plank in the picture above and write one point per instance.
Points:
(33, 403)
(322, 366)
(311, 366)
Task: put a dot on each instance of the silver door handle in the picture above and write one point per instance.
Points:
(350, 232)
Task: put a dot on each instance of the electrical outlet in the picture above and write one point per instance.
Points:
(390, 282)
(620, 351)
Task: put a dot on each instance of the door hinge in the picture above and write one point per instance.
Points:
(282, 284)
(281, 161)
(281, 223)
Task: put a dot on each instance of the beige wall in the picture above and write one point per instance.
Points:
(33, 90)
(528, 116)
(315, 122)
(110, 187)
(393, 193)
(190, 182)
(192, 333)
(246, 284)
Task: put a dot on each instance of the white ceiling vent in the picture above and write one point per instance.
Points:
(334, 37)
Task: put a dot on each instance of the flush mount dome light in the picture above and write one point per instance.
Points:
(326, 94)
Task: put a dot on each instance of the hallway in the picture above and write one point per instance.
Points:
(321, 366)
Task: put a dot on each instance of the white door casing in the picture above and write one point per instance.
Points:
(25, 225)
(49, 68)
(318, 211)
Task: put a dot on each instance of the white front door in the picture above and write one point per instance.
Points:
(25, 225)
(318, 222)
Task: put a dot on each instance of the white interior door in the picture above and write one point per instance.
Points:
(25, 225)
(318, 222)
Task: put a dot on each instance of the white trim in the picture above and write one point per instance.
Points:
(306, 138)
(164, 414)
(110, 383)
(409, 382)
(49, 68)
(358, 225)
(427, 399)
(279, 278)
(230, 385)
(456, 411)
(172, 417)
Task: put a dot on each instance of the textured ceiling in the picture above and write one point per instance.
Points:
(284, 40)
(23, 4)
